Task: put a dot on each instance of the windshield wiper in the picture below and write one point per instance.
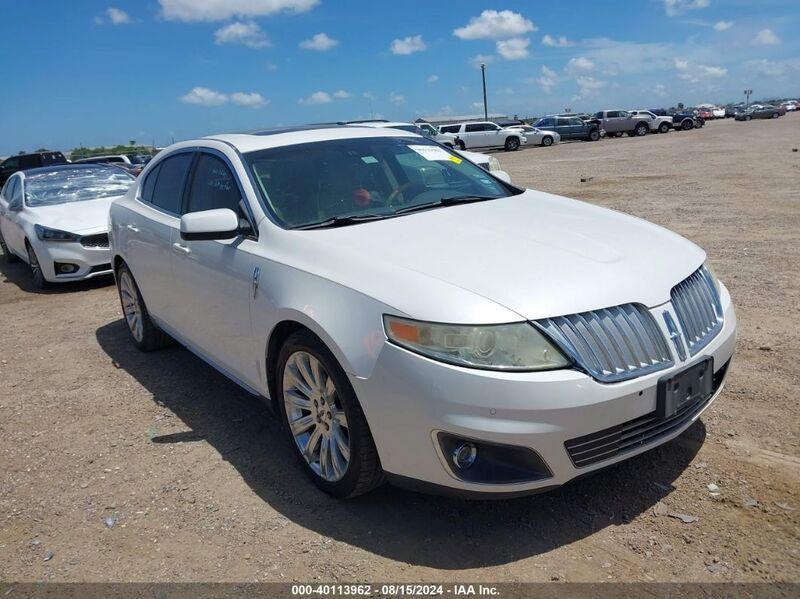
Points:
(451, 201)
(343, 221)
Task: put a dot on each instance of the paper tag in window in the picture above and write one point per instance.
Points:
(455, 159)
(431, 152)
(369, 159)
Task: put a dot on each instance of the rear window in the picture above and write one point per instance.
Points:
(168, 190)
(49, 158)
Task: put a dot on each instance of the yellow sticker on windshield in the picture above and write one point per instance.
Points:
(455, 159)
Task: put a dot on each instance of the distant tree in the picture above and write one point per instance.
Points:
(21, 152)
(132, 142)
(42, 150)
(680, 105)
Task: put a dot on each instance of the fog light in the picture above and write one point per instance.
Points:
(464, 455)
(65, 268)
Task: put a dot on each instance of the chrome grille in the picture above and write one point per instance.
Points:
(612, 344)
(699, 309)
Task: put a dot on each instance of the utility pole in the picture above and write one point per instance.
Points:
(747, 94)
(485, 107)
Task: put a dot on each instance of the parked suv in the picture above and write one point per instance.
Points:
(21, 162)
(571, 127)
(658, 124)
(485, 135)
(413, 318)
(617, 122)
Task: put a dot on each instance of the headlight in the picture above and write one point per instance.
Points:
(46, 234)
(512, 347)
(494, 164)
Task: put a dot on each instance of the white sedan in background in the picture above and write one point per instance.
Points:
(536, 136)
(56, 219)
(413, 317)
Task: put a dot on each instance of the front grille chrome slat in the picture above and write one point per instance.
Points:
(613, 344)
(699, 309)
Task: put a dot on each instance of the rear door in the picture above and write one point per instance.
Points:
(474, 135)
(148, 234)
(214, 279)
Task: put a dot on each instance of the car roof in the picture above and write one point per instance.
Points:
(289, 136)
(381, 124)
(62, 167)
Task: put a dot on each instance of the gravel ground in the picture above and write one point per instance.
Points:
(121, 466)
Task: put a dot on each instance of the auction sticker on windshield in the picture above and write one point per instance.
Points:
(431, 152)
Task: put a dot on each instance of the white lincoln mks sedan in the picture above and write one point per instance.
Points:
(412, 317)
(56, 219)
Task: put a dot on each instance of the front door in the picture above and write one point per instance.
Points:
(215, 278)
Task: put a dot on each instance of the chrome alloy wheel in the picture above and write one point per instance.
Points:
(131, 306)
(316, 417)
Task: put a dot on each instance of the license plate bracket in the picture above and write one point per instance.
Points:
(684, 387)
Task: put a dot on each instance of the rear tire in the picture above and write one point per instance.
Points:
(7, 255)
(315, 395)
(663, 128)
(36, 269)
(687, 124)
(641, 130)
(547, 141)
(775, 115)
(512, 144)
(145, 334)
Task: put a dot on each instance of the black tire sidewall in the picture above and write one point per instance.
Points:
(310, 343)
(38, 279)
(547, 141)
(512, 144)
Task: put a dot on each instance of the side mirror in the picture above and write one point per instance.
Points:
(502, 175)
(210, 224)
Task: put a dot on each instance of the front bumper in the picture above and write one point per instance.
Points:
(91, 261)
(409, 400)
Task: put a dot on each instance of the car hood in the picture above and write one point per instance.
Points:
(74, 217)
(535, 254)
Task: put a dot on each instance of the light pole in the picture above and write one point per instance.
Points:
(483, 76)
(747, 94)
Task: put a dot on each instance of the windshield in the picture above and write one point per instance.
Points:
(309, 183)
(75, 185)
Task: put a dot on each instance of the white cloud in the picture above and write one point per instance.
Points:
(579, 65)
(219, 10)
(776, 69)
(432, 78)
(396, 98)
(660, 90)
(695, 73)
(369, 95)
(556, 42)
(548, 80)
(492, 24)
(766, 37)
(251, 100)
(723, 25)
(515, 48)
(271, 66)
(203, 96)
(674, 8)
(319, 42)
(322, 97)
(113, 16)
(476, 60)
(587, 86)
(247, 34)
(408, 45)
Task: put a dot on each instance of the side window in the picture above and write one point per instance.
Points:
(561, 122)
(473, 128)
(213, 186)
(149, 184)
(599, 115)
(612, 114)
(623, 114)
(576, 121)
(450, 128)
(12, 162)
(14, 196)
(29, 161)
(169, 184)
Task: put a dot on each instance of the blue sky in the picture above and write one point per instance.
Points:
(99, 72)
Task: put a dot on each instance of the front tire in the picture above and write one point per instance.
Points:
(547, 141)
(145, 334)
(324, 420)
(594, 135)
(36, 268)
(512, 144)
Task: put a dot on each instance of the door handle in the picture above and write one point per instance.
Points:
(181, 248)
(132, 228)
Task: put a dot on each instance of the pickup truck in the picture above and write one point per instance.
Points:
(484, 135)
(570, 127)
(658, 124)
(617, 122)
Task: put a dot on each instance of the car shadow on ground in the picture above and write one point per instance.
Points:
(19, 273)
(436, 532)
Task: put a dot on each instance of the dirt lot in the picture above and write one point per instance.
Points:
(198, 485)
